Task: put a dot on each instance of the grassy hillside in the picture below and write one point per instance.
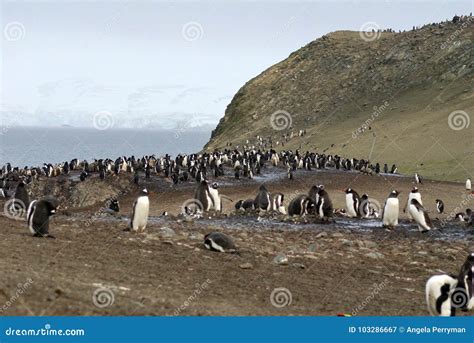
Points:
(402, 87)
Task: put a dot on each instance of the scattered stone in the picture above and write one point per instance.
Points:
(322, 235)
(312, 247)
(166, 232)
(337, 235)
(347, 242)
(299, 265)
(375, 255)
(246, 265)
(281, 259)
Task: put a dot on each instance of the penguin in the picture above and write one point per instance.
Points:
(418, 178)
(245, 205)
(414, 194)
(22, 199)
(324, 206)
(364, 206)
(394, 169)
(468, 184)
(83, 176)
(352, 203)
(263, 201)
(38, 215)
(438, 295)
(469, 217)
(466, 284)
(102, 174)
(299, 205)
(220, 242)
(216, 197)
(439, 206)
(114, 205)
(390, 210)
(277, 203)
(140, 210)
(203, 196)
(420, 215)
(136, 178)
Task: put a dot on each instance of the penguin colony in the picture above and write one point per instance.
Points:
(440, 289)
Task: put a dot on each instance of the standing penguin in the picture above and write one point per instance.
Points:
(414, 194)
(324, 206)
(22, 200)
(141, 208)
(352, 203)
(203, 196)
(38, 215)
(439, 206)
(390, 210)
(420, 215)
(263, 200)
(468, 184)
(418, 178)
(438, 295)
(364, 206)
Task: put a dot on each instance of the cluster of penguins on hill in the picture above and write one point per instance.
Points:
(442, 291)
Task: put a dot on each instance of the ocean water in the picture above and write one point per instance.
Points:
(28, 146)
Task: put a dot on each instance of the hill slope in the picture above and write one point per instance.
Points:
(387, 99)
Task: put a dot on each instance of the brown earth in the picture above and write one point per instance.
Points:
(343, 267)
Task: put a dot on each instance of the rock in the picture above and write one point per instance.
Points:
(322, 235)
(299, 265)
(196, 236)
(375, 255)
(281, 259)
(312, 247)
(337, 235)
(347, 242)
(246, 265)
(166, 232)
(370, 244)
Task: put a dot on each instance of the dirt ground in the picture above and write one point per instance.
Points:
(349, 266)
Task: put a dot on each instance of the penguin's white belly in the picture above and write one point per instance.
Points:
(390, 216)
(140, 217)
(215, 199)
(419, 217)
(350, 206)
(468, 185)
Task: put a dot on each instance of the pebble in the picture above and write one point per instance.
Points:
(246, 266)
(281, 259)
(312, 247)
(322, 235)
(347, 242)
(337, 235)
(166, 232)
(375, 255)
(299, 265)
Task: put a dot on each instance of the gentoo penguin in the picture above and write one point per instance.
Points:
(38, 215)
(352, 203)
(203, 196)
(277, 203)
(364, 206)
(469, 217)
(468, 184)
(263, 200)
(439, 206)
(299, 205)
(216, 200)
(438, 295)
(419, 214)
(418, 178)
(324, 206)
(390, 210)
(414, 194)
(218, 241)
(140, 210)
(22, 194)
(245, 205)
(465, 282)
(83, 176)
(114, 205)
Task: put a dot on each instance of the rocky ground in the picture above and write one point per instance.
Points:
(284, 267)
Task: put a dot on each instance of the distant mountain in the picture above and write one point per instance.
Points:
(404, 98)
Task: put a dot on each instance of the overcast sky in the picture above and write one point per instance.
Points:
(164, 58)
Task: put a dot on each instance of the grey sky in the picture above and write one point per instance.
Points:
(137, 58)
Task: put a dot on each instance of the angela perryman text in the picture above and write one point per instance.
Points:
(406, 330)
